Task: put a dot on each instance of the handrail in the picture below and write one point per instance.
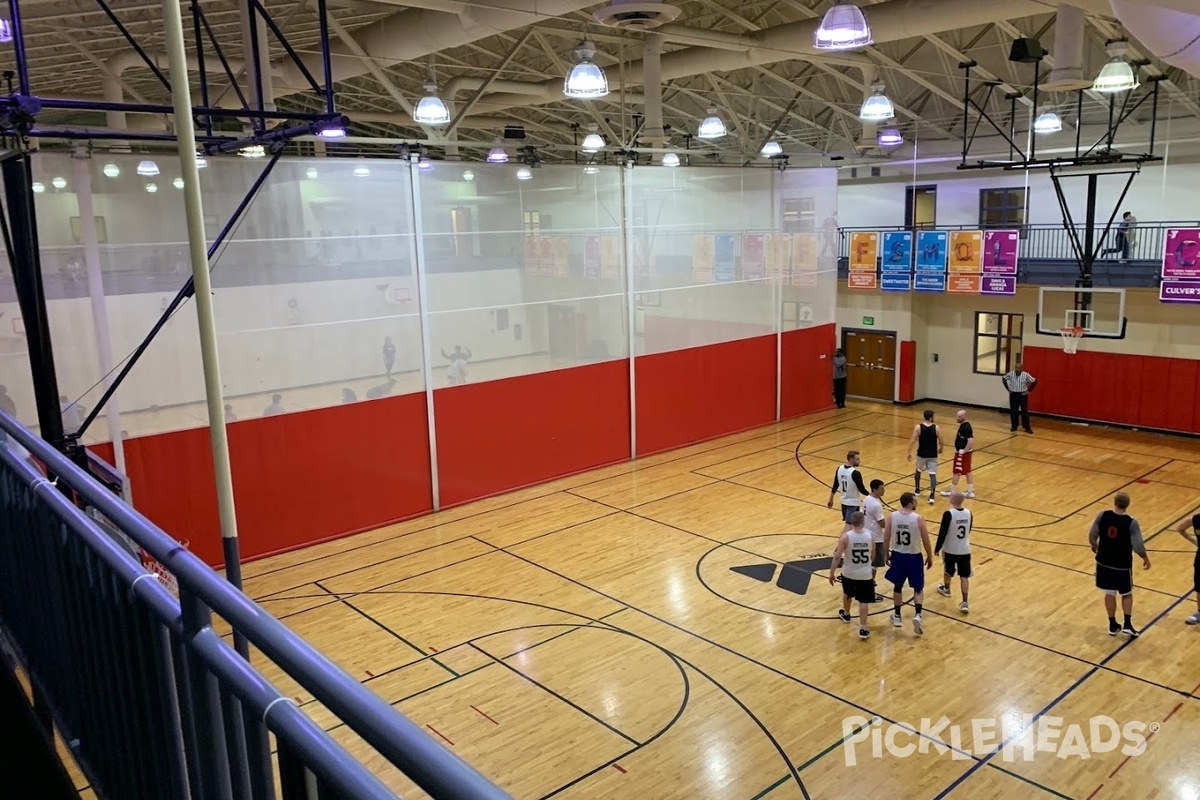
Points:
(437, 771)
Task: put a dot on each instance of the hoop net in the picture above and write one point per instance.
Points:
(164, 576)
(1071, 337)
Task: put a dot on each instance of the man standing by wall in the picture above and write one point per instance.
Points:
(1019, 384)
(839, 377)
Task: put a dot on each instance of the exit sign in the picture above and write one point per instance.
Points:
(868, 320)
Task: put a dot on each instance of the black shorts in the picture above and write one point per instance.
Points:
(1196, 577)
(954, 564)
(879, 560)
(847, 511)
(862, 591)
(1114, 581)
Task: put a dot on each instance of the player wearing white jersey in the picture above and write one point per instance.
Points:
(873, 511)
(954, 543)
(904, 537)
(854, 554)
(848, 483)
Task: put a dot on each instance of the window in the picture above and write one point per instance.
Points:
(533, 223)
(799, 215)
(997, 342)
(1002, 208)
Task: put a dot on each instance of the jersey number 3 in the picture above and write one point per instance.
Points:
(962, 531)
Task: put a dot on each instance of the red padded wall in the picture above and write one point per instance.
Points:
(298, 478)
(690, 395)
(500, 435)
(1127, 389)
(908, 371)
(807, 370)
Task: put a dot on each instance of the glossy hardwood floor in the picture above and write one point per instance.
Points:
(590, 638)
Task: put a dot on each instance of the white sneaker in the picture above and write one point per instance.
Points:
(970, 495)
(930, 499)
(1194, 619)
(897, 621)
(943, 590)
(946, 493)
(963, 607)
(918, 626)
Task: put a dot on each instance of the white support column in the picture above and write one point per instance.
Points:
(81, 165)
(416, 252)
(185, 129)
(631, 306)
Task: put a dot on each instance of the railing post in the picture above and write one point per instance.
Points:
(212, 757)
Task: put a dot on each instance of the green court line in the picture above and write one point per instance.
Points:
(772, 787)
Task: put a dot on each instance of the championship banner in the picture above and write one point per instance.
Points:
(862, 280)
(931, 251)
(779, 254)
(804, 259)
(897, 252)
(754, 256)
(966, 252)
(610, 257)
(702, 258)
(562, 256)
(1000, 252)
(963, 284)
(1180, 266)
(545, 257)
(864, 251)
(591, 257)
(531, 256)
(724, 258)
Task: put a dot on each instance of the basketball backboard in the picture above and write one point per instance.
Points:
(1100, 312)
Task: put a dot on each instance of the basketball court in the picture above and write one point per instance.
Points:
(665, 628)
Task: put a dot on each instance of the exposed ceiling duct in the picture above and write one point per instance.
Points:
(1165, 28)
(1068, 73)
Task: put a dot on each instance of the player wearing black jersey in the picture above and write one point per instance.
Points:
(1115, 537)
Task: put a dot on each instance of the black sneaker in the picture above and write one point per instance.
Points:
(879, 598)
(843, 615)
(863, 633)
(1129, 630)
(1113, 627)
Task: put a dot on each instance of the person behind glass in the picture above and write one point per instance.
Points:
(276, 408)
(229, 415)
(839, 377)
(389, 355)
(1019, 384)
(457, 372)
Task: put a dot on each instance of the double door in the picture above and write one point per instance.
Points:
(870, 364)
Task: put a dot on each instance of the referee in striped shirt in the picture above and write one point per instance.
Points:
(1019, 384)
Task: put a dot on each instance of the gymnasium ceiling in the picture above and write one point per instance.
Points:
(809, 105)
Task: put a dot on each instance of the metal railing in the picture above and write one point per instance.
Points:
(1053, 242)
(152, 701)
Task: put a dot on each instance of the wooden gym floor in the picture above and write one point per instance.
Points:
(589, 638)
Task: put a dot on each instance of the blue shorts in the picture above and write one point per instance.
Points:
(908, 567)
(847, 511)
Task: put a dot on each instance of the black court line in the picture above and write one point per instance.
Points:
(1065, 693)
(376, 622)
(1102, 664)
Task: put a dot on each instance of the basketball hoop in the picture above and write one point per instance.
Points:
(164, 576)
(1071, 337)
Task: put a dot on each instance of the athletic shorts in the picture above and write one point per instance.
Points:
(957, 565)
(847, 511)
(907, 568)
(1114, 581)
(927, 465)
(862, 591)
(879, 559)
(962, 463)
(1196, 574)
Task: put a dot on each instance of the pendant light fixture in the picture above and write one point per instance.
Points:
(332, 132)
(111, 170)
(591, 169)
(877, 107)
(201, 161)
(151, 188)
(593, 143)
(253, 151)
(712, 127)
(844, 27)
(1047, 122)
(59, 182)
(1118, 74)
(38, 187)
(497, 155)
(424, 164)
(468, 175)
(889, 137)
(586, 80)
(670, 160)
(771, 149)
(361, 171)
(178, 183)
(524, 173)
(430, 109)
(147, 169)
(311, 173)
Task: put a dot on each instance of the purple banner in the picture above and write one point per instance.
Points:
(993, 284)
(1181, 256)
(1000, 253)
(1179, 292)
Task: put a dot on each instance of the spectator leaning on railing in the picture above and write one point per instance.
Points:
(1125, 237)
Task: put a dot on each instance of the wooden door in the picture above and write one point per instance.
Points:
(870, 364)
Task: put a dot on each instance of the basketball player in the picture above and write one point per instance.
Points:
(928, 439)
(873, 511)
(904, 537)
(954, 538)
(848, 482)
(854, 553)
(964, 446)
(1115, 537)
(1194, 524)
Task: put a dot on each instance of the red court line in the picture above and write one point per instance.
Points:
(1095, 792)
(485, 716)
(1143, 480)
(1118, 769)
(435, 730)
(1173, 710)
(620, 769)
(369, 673)
(433, 649)
(1194, 688)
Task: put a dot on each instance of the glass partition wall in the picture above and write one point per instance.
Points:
(331, 290)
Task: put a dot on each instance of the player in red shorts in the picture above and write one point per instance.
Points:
(964, 447)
